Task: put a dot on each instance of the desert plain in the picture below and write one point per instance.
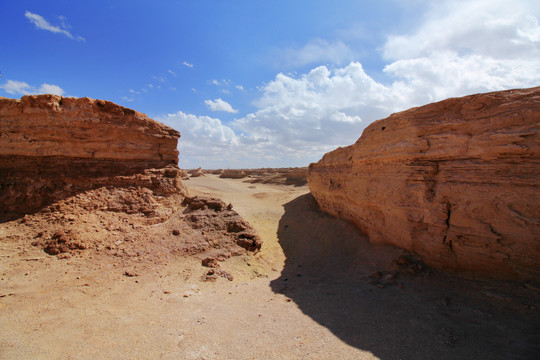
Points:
(316, 290)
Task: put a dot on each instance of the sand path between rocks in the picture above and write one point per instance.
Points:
(317, 290)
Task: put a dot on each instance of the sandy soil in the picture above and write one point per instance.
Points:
(317, 290)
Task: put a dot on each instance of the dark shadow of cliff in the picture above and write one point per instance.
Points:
(331, 274)
(30, 184)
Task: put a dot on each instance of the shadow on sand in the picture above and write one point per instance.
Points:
(353, 288)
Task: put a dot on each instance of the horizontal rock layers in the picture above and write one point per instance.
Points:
(51, 125)
(456, 182)
(52, 147)
(84, 174)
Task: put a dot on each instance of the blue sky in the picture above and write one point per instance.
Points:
(267, 83)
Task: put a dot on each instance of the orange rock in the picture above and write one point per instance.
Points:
(457, 182)
(53, 147)
(51, 125)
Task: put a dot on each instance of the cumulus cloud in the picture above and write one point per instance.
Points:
(205, 140)
(461, 47)
(41, 23)
(21, 88)
(185, 63)
(220, 105)
(469, 46)
(315, 51)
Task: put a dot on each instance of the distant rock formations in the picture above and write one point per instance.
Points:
(233, 174)
(456, 182)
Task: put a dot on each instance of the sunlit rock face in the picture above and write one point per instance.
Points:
(456, 182)
(51, 125)
(52, 147)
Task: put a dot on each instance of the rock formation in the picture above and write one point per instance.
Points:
(51, 125)
(52, 147)
(456, 182)
(83, 174)
(196, 172)
(233, 174)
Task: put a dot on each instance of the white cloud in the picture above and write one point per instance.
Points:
(239, 87)
(205, 140)
(185, 63)
(461, 47)
(219, 105)
(465, 47)
(316, 51)
(21, 88)
(50, 89)
(171, 72)
(222, 82)
(40, 22)
(16, 87)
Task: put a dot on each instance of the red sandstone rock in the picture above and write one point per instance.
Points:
(89, 175)
(51, 125)
(53, 147)
(457, 182)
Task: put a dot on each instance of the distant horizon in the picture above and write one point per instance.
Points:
(268, 85)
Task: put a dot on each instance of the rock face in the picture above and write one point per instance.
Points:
(51, 125)
(52, 147)
(233, 174)
(89, 175)
(456, 182)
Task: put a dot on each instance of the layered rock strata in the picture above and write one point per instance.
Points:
(55, 126)
(456, 182)
(84, 174)
(52, 147)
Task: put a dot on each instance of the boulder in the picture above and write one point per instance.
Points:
(456, 182)
(196, 172)
(233, 174)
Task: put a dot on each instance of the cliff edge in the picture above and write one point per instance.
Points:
(456, 182)
(85, 174)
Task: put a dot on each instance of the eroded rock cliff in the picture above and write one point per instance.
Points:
(52, 147)
(85, 174)
(456, 182)
(51, 125)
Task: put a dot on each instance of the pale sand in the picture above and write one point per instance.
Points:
(307, 295)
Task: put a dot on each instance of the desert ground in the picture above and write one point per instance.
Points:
(316, 290)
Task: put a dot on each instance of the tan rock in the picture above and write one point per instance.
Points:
(83, 175)
(233, 174)
(457, 182)
(53, 147)
(51, 125)
(196, 172)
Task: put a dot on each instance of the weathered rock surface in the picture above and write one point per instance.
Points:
(456, 182)
(53, 147)
(195, 172)
(89, 175)
(51, 125)
(233, 174)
